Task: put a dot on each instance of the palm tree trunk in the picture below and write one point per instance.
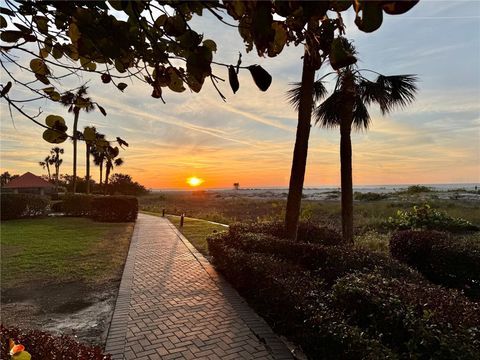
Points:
(346, 114)
(57, 170)
(346, 183)
(101, 173)
(48, 170)
(107, 174)
(299, 162)
(75, 125)
(87, 176)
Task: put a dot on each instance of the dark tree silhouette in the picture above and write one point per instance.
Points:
(346, 107)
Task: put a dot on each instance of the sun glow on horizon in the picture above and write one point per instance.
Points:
(194, 181)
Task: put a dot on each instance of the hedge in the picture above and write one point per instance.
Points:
(337, 302)
(16, 206)
(42, 345)
(76, 205)
(307, 231)
(440, 257)
(114, 208)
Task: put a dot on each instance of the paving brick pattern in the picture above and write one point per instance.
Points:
(172, 304)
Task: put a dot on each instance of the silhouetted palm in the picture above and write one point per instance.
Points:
(109, 165)
(347, 107)
(56, 161)
(76, 102)
(45, 164)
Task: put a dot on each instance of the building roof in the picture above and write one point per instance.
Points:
(28, 180)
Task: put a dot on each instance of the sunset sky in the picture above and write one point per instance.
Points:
(249, 139)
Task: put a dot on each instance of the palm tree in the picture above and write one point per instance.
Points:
(56, 161)
(109, 164)
(76, 102)
(45, 164)
(98, 153)
(347, 107)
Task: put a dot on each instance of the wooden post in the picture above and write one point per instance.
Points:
(182, 219)
(163, 213)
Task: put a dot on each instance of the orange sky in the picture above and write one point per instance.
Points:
(249, 139)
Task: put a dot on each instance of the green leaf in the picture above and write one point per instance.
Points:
(6, 89)
(57, 52)
(3, 22)
(176, 83)
(42, 24)
(233, 79)
(11, 36)
(23, 355)
(54, 120)
(89, 134)
(210, 44)
(102, 110)
(261, 78)
(39, 67)
(43, 79)
(121, 86)
(73, 32)
(6, 11)
(43, 53)
(54, 136)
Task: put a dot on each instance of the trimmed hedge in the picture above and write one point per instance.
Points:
(440, 258)
(114, 208)
(337, 302)
(307, 232)
(42, 345)
(16, 206)
(76, 205)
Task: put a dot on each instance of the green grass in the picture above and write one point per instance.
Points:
(195, 230)
(54, 250)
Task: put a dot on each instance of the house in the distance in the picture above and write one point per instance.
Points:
(29, 183)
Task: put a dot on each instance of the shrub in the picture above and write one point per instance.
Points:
(76, 205)
(114, 208)
(42, 345)
(307, 231)
(16, 206)
(413, 247)
(339, 303)
(441, 258)
(425, 217)
(380, 307)
(415, 189)
(369, 196)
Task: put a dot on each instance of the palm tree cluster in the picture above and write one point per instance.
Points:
(347, 108)
(96, 144)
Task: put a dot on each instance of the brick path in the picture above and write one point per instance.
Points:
(172, 304)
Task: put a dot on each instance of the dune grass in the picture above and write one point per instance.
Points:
(195, 230)
(54, 250)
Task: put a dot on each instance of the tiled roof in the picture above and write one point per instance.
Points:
(28, 180)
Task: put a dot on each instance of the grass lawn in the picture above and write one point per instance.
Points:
(195, 230)
(55, 250)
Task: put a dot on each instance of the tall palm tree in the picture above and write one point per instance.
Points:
(109, 165)
(98, 153)
(76, 102)
(45, 164)
(346, 107)
(56, 161)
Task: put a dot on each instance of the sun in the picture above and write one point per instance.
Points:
(194, 181)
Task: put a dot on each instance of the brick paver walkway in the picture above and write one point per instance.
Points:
(173, 305)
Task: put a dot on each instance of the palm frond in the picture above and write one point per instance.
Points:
(318, 93)
(389, 92)
(361, 117)
(327, 113)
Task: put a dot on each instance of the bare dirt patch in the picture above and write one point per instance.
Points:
(74, 308)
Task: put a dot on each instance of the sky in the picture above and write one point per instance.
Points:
(249, 138)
